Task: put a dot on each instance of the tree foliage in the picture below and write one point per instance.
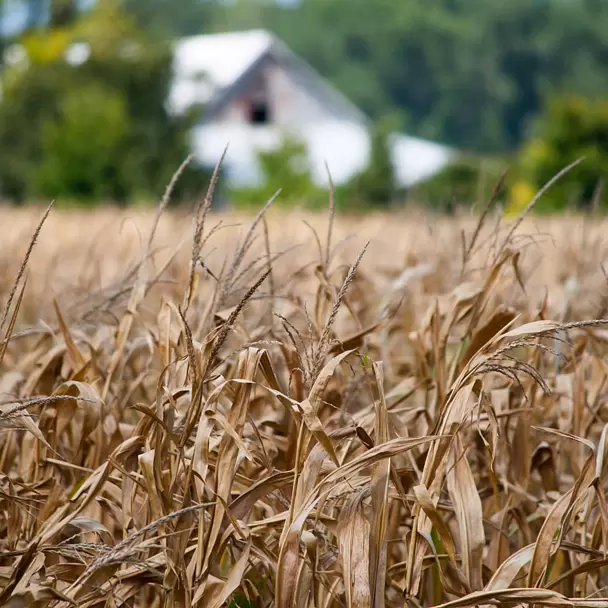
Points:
(572, 127)
(82, 151)
(375, 185)
(285, 167)
(94, 125)
(167, 18)
(467, 180)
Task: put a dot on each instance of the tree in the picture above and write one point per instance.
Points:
(466, 180)
(375, 186)
(571, 127)
(286, 167)
(83, 151)
(63, 12)
(173, 18)
(143, 144)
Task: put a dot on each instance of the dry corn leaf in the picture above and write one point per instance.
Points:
(380, 498)
(469, 513)
(354, 535)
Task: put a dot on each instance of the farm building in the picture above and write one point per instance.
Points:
(253, 90)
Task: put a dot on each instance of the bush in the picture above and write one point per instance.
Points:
(571, 127)
(465, 181)
(83, 151)
(375, 185)
(285, 167)
(96, 127)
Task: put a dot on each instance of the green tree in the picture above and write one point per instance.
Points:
(571, 127)
(83, 151)
(286, 167)
(130, 66)
(466, 180)
(173, 18)
(375, 186)
(63, 12)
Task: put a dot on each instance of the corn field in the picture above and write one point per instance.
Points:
(302, 410)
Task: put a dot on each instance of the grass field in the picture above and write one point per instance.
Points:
(216, 410)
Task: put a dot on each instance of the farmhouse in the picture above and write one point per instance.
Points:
(253, 91)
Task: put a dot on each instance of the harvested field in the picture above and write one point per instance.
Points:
(224, 410)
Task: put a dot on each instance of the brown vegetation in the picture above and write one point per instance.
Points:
(194, 414)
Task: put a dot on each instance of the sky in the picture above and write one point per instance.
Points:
(15, 14)
(14, 17)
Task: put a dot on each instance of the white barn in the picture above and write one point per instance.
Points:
(254, 90)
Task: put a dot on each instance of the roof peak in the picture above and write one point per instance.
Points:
(258, 33)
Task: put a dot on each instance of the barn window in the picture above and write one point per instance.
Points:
(258, 112)
(258, 103)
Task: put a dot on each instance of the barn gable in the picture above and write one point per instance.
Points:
(230, 64)
(253, 90)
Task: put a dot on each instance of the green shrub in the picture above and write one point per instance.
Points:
(99, 128)
(287, 168)
(467, 180)
(375, 185)
(571, 127)
(83, 151)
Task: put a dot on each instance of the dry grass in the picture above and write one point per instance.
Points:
(264, 416)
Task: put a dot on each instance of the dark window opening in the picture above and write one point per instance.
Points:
(257, 102)
(259, 113)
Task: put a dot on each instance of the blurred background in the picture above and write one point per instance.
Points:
(405, 101)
